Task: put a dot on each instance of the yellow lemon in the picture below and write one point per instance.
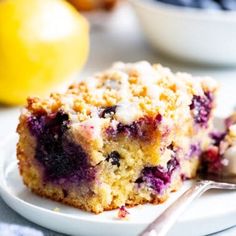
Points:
(43, 44)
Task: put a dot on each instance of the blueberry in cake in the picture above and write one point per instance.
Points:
(127, 136)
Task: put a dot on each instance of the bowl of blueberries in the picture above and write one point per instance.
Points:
(199, 31)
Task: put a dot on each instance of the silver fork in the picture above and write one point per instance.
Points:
(162, 224)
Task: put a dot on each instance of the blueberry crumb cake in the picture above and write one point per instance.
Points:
(126, 136)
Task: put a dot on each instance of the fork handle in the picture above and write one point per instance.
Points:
(162, 224)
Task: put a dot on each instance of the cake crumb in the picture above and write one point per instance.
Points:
(123, 213)
(56, 209)
(232, 130)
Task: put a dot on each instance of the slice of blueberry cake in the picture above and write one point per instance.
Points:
(127, 136)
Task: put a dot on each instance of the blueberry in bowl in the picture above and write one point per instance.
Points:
(229, 5)
(199, 31)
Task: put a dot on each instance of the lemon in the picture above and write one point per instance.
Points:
(43, 44)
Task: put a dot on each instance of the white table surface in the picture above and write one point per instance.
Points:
(121, 39)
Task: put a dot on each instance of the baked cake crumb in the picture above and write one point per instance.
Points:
(123, 213)
(56, 209)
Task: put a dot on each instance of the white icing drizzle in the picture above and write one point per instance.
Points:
(89, 129)
(127, 112)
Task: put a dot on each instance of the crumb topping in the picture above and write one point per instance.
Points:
(135, 90)
(123, 213)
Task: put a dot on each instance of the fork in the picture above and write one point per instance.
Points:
(162, 224)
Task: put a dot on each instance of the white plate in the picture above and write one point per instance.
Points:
(214, 211)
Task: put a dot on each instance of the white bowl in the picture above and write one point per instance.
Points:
(196, 35)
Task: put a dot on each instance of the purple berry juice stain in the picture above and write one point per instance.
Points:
(62, 159)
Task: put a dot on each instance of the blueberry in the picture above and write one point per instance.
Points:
(211, 161)
(107, 111)
(172, 164)
(154, 177)
(217, 137)
(173, 2)
(60, 157)
(204, 4)
(194, 150)
(183, 3)
(158, 177)
(171, 147)
(114, 158)
(208, 4)
(141, 129)
(201, 107)
(65, 193)
(228, 4)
